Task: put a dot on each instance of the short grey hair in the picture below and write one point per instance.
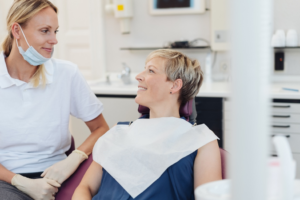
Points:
(179, 66)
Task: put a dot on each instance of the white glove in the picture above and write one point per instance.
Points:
(62, 170)
(38, 189)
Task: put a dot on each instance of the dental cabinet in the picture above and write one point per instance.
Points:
(119, 108)
(210, 112)
(284, 120)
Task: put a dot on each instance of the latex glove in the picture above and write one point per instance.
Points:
(38, 189)
(62, 170)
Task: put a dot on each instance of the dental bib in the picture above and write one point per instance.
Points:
(137, 155)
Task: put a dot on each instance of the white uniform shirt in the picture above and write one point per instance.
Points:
(34, 122)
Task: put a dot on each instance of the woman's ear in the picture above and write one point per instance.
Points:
(177, 85)
(15, 29)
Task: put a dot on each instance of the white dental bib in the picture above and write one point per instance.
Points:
(137, 155)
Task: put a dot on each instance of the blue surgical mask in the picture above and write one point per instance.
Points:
(31, 55)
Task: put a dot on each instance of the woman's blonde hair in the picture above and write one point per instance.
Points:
(21, 12)
(179, 66)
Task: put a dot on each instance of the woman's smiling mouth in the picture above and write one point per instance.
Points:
(47, 49)
(140, 88)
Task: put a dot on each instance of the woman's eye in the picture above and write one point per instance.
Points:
(56, 31)
(151, 71)
(44, 31)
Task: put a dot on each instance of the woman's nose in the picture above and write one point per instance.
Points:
(139, 77)
(53, 40)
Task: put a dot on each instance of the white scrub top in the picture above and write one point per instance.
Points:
(34, 122)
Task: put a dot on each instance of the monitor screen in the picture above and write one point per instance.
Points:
(162, 4)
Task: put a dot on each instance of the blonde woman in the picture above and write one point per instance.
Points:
(159, 156)
(37, 96)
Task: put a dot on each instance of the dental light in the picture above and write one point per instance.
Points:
(123, 10)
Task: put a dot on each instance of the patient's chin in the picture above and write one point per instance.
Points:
(140, 100)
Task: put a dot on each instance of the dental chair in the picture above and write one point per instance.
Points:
(189, 112)
(68, 187)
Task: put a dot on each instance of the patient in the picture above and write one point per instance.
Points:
(160, 156)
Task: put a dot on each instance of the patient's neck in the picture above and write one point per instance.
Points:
(164, 110)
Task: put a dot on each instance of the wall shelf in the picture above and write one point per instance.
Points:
(298, 47)
(155, 48)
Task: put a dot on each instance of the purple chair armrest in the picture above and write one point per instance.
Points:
(68, 187)
(72, 147)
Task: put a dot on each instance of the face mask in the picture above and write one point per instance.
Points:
(31, 55)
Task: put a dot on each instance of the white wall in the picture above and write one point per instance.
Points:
(4, 7)
(287, 16)
(148, 30)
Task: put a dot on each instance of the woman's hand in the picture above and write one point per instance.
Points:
(38, 189)
(62, 170)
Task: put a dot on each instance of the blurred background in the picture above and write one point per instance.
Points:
(110, 43)
(77, 19)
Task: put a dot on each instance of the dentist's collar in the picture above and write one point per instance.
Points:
(6, 80)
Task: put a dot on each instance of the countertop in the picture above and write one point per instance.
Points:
(214, 89)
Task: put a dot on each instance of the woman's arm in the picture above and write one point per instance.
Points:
(207, 166)
(5, 174)
(98, 127)
(89, 184)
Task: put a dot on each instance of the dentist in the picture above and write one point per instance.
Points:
(37, 96)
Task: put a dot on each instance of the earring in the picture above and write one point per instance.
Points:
(170, 92)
